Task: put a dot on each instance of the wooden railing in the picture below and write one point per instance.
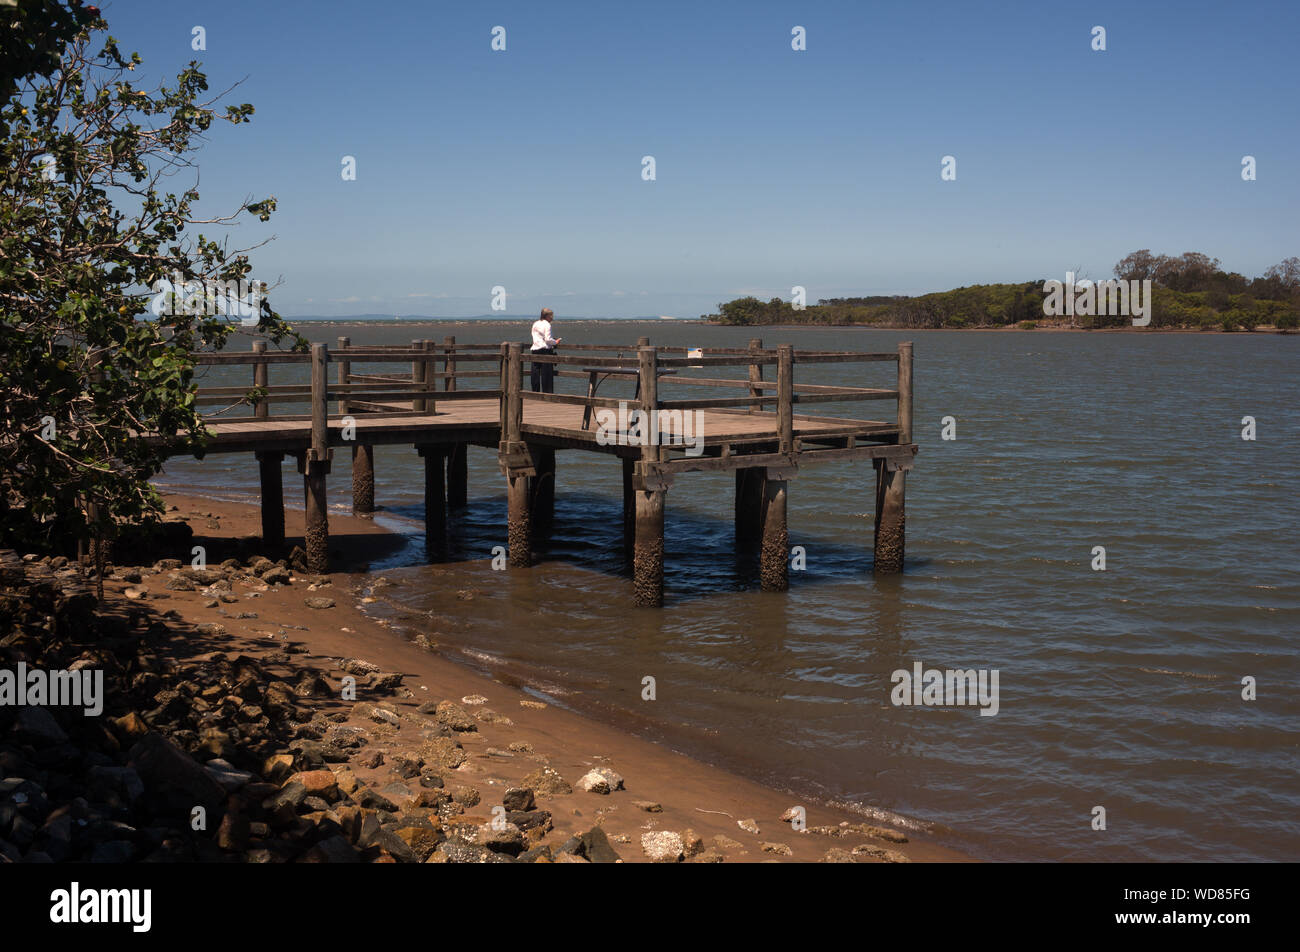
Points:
(376, 392)
(781, 394)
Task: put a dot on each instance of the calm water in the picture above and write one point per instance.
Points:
(1119, 688)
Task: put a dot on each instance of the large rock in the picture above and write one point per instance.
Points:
(518, 798)
(444, 752)
(663, 846)
(601, 780)
(36, 726)
(547, 782)
(165, 768)
(591, 847)
(501, 838)
(121, 780)
(276, 575)
(230, 777)
(454, 716)
(318, 783)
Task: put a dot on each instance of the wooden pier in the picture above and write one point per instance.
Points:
(444, 398)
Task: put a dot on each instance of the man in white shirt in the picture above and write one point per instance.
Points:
(543, 343)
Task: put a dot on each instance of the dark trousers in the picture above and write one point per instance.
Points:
(544, 374)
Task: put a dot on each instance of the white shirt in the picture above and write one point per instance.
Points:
(542, 338)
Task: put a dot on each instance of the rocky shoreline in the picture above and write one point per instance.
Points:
(236, 739)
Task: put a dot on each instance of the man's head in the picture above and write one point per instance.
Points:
(547, 314)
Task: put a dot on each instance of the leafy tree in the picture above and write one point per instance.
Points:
(33, 34)
(1286, 273)
(86, 227)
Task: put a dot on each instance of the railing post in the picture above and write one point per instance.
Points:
(648, 368)
(417, 375)
(785, 398)
(504, 386)
(756, 376)
(345, 373)
(514, 395)
(430, 375)
(449, 363)
(261, 374)
(905, 392)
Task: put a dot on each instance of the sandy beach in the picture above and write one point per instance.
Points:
(719, 816)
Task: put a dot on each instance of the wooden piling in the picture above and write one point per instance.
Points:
(542, 488)
(749, 505)
(517, 469)
(435, 494)
(457, 453)
(363, 454)
(629, 507)
(518, 522)
(457, 475)
(891, 479)
(648, 549)
(648, 552)
(316, 465)
(272, 483)
(363, 479)
(774, 565)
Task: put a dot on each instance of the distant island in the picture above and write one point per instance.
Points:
(1190, 291)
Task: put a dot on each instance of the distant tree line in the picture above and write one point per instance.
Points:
(1189, 291)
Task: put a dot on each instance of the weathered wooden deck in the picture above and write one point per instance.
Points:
(756, 434)
(478, 422)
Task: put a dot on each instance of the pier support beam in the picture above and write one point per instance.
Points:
(272, 483)
(516, 460)
(363, 479)
(518, 522)
(458, 475)
(629, 508)
(648, 551)
(749, 506)
(774, 567)
(435, 494)
(891, 479)
(317, 541)
(542, 488)
(891, 518)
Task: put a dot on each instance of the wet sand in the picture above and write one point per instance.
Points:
(521, 736)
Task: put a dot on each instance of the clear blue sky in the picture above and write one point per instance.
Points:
(774, 167)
